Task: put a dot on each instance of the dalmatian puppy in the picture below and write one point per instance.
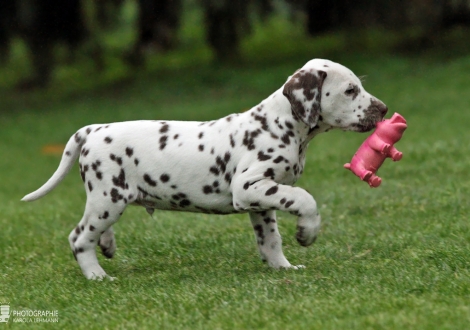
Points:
(245, 162)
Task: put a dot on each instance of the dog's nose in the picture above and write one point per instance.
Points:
(383, 109)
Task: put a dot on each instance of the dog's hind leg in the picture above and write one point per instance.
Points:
(269, 240)
(95, 225)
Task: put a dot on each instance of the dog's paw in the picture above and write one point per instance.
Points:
(306, 235)
(297, 267)
(284, 264)
(102, 277)
(108, 251)
(107, 244)
(98, 275)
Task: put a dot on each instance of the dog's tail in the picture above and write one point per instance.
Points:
(70, 155)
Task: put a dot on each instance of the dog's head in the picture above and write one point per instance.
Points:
(327, 92)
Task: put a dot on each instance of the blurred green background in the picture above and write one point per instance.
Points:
(396, 257)
(84, 44)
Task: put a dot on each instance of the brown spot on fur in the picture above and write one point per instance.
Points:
(272, 190)
(149, 180)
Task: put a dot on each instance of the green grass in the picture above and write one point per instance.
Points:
(395, 257)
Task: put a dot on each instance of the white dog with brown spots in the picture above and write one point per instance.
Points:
(244, 162)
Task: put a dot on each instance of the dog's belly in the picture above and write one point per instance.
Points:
(222, 204)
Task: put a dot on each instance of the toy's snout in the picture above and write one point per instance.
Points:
(397, 118)
(398, 122)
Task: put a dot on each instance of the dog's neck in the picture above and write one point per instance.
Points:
(321, 127)
(276, 107)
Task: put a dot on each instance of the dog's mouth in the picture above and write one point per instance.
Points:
(373, 115)
(369, 123)
(363, 127)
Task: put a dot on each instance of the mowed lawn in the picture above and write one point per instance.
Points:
(395, 257)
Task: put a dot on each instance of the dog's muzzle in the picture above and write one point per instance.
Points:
(372, 115)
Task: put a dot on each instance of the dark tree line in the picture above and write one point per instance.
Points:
(44, 23)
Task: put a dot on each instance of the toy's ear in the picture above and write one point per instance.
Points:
(303, 90)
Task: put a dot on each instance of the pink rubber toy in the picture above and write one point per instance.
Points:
(378, 146)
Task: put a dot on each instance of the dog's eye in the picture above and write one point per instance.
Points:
(350, 91)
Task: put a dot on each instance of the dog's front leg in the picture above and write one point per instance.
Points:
(265, 194)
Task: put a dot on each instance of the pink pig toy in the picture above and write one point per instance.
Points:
(378, 146)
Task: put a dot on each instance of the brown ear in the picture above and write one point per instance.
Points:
(303, 90)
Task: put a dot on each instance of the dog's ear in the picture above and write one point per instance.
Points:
(303, 90)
